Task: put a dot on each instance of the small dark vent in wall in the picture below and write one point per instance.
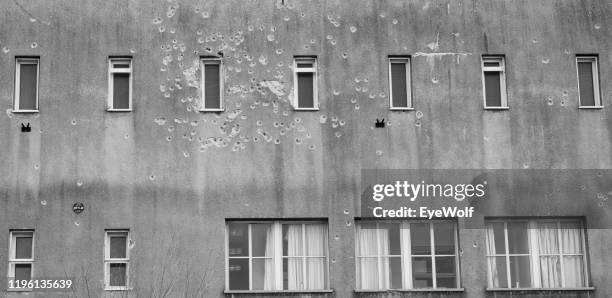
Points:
(380, 123)
(26, 128)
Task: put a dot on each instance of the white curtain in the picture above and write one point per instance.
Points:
(368, 271)
(571, 242)
(550, 266)
(315, 264)
(492, 263)
(269, 264)
(295, 272)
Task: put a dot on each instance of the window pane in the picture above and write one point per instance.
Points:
(304, 65)
(496, 239)
(518, 241)
(573, 268)
(121, 91)
(493, 88)
(292, 240)
(444, 238)
(368, 240)
(212, 96)
(261, 236)
(316, 240)
(390, 239)
(23, 247)
(520, 272)
(118, 272)
(395, 272)
(398, 85)
(305, 89)
(420, 239)
(585, 83)
(316, 274)
(263, 274)
(239, 274)
(27, 89)
(421, 272)
(498, 272)
(550, 271)
(445, 272)
(571, 237)
(491, 64)
(548, 242)
(23, 271)
(367, 274)
(118, 247)
(238, 238)
(293, 274)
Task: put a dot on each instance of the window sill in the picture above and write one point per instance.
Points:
(496, 108)
(591, 107)
(212, 110)
(117, 289)
(413, 290)
(401, 109)
(25, 111)
(287, 292)
(538, 289)
(118, 110)
(306, 109)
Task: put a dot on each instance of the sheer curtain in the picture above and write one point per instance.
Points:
(571, 241)
(550, 266)
(316, 257)
(368, 271)
(294, 261)
(269, 282)
(492, 263)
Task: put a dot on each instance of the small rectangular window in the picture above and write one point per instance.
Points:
(588, 82)
(120, 84)
(277, 256)
(547, 253)
(212, 84)
(21, 255)
(116, 260)
(26, 85)
(494, 82)
(305, 83)
(406, 255)
(399, 84)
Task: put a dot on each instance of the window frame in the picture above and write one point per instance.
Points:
(108, 260)
(113, 70)
(214, 61)
(18, 62)
(408, 63)
(593, 59)
(407, 256)
(501, 69)
(12, 260)
(276, 227)
(534, 255)
(315, 79)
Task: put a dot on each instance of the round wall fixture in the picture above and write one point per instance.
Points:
(78, 207)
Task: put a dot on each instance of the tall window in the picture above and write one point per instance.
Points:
(399, 83)
(536, 254)
(588, 81)
(289, 256)
(212, 84)
(21, 255)
(120, 84)
(116, 260)
(26, 85)
(494, 82)
(305, 83)
(406, 255)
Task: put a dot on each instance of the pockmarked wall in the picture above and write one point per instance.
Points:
(172, 174)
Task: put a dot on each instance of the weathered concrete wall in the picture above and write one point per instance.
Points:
(157, 171)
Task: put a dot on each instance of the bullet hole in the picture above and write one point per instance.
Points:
(600, 204)
(298, 141)
(312, 147)
(323, 119)
(417, 123)
(353, 29)
(534, 41)
(79, 183)
(336, 237)
(419, 114)
(169, 138)
(333, 260)
(601, 196)
(372, 96)
(338, 134)
(151, 177)
(565, 93)
(270, 37)
(545, 60)
(549, 100)
(349, 223)
(36, 166)
(597, 26)
(303, 14)
(525, 165)
(356, 106)
(394, 21)
(286, 19)
(250, 28)
(77, 223)
(186, 154)
(162, 29)
(34, 45)
(157, 21)
(5, 50)
(73, 122)
(312, 41)
(333, 42)
(277, 141)
(126, 136)
(358, 88)
(562, 103)
(567, 51)
(379, 152)
(435, 79)
(43, 202)
(281, 132)
(205, 14)
(306, 47)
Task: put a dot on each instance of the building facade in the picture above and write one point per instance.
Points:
(219, 148)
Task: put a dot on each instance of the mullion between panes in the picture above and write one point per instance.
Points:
(433, 255)
(406, 252)
(303, 256)
(534, 254)
(277, 234)
(560, 254)
(379, 258)
(507, 253)
(250, 258)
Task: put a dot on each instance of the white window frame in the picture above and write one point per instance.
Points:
(12, 260)
(277, 230)
(215, 61)
(534, 255)
(501, 69)
(406, 253)
(18, 62)
(112, 61)
(596, 91)
(108, 260)
(315, 91)
(407, 61)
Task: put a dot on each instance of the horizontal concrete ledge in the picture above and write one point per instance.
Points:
(412, 290)
(287, 292)
(538, 289)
